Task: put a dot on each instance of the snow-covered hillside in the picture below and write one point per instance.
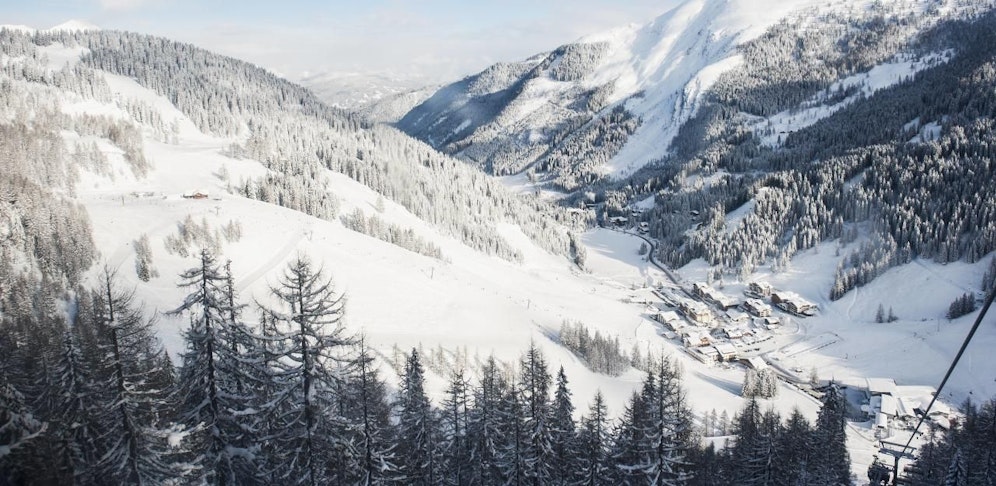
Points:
(380, 98)
(611, 103)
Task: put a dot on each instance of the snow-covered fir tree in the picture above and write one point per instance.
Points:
(418, 441)
(308, 372)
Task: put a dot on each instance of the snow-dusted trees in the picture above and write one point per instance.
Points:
(963, 305)
(308, 373)
(18, 428)
(829, 462)
(761, 383)
(592, 465)
(143, 259)
(563, 433)
(534, 395)
(652, 439)
(599, 352)
(391, 233)
(455, 455)
(484, 424)
(369, 412)
(131, 405)
(418, 441)
(966, 454)
(213, 385)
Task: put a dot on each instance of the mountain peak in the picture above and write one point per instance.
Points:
(74, 25)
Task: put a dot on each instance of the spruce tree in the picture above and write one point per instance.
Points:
(76, 422)
(417, 432)
(456, 458)
(793, 446)
(370, 411)
(562, 432)
(210, 400)
(18, 429)
(534, 386)
(670, 427)
(629, 448)
(592, 466)
(830, 464)
(484, 428)
(512, 458)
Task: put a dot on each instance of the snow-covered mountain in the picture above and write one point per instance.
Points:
(378, 97)
(612, 103)
(629, 88)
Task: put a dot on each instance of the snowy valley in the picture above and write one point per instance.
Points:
(654, 173)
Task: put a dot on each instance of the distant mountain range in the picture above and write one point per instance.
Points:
(378, 97)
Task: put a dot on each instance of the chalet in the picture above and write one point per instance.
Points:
(697, 312)
(793, 303)
(880, 386)
(726, 351)
(670, 335)
(769, 323)
(707, 355)
(670, 319)
(759, 290)
(734, 332)
(196, 195)
(619, 220)
(737, 317)
(757, 308)
(713, 296)
(756, 362)
(644, 227)
(696, 339)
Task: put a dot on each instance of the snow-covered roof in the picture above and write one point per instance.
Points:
(725, 348)
(757, 362)
(889, 405)
(880, 386)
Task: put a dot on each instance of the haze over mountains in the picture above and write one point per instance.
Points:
(840, 151)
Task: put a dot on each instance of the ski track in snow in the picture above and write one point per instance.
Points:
(125, 250)
(270, 264)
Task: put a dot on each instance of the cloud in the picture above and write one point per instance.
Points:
(121, 5)
(439, 40)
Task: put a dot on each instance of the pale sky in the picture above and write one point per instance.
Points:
(438, 40)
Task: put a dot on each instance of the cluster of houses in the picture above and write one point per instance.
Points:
(790, 302)
(707, 335)
(890, 406)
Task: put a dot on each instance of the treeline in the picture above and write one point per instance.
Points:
(294, 399)
(767, 450)
(396, 235)
(599, 353)
(963, 455)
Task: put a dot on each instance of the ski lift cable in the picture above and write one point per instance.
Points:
(971, 333)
